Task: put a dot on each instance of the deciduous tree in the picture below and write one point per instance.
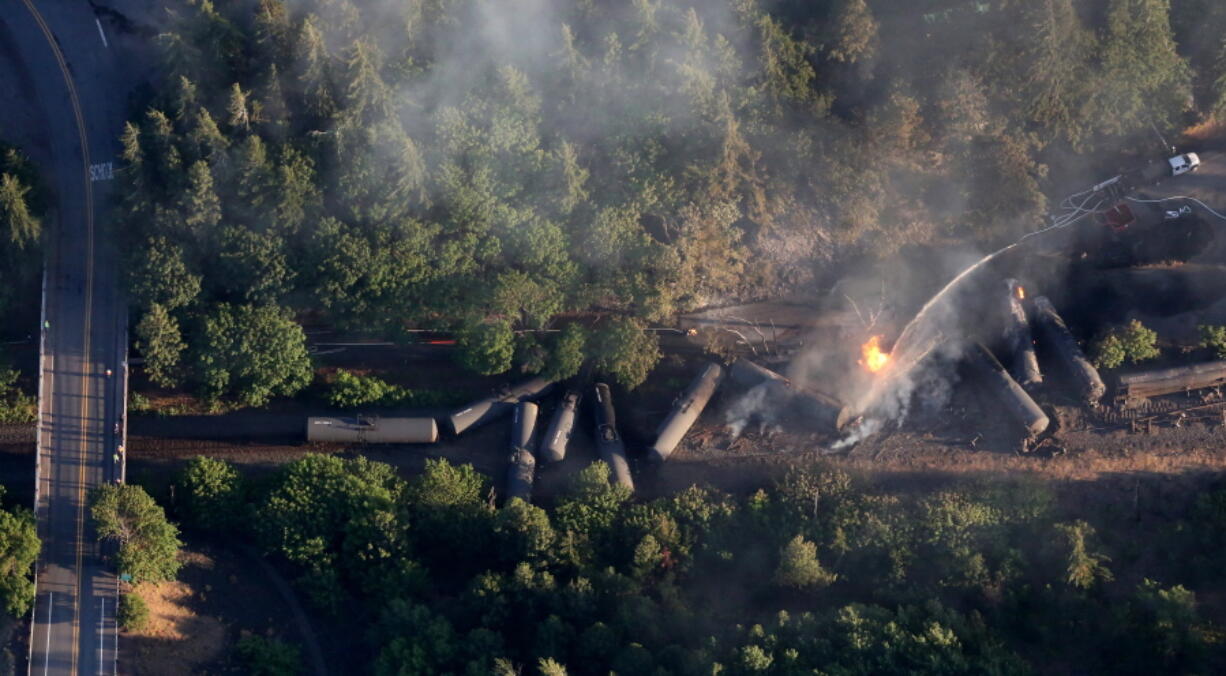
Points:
(148, 543)
(252, 353)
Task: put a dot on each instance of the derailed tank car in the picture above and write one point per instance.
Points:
(1017, 338)
(685, 412)
(372, 430)
(608, 440)
(1056, 336)
(489, 408)
(522, 469)
(1020, 406)
(557, 436)
(779, 394)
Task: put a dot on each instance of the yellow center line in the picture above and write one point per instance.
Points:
(89, 291)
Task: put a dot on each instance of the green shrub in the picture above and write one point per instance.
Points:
(269, 656)
(1132, 343)
(15, 406)
(1214, 337)
(799, 567)
(349, 390)
(133, 613)
(139, 403)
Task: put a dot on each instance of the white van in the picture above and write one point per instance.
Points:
(1182, 164)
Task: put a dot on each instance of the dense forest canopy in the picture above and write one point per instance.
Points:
(489, 167)
(816, 574)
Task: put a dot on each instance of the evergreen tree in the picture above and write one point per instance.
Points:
(160, 342)
(158, 274)
(238, 116)
(200, 205)
(23, 228)
(1144, 78)
(852, 32)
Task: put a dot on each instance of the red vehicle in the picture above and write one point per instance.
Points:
(1118, 217)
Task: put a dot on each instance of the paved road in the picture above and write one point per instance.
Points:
(64, 52)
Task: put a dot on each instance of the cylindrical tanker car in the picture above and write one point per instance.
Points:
(372, 430)
(522, 469)
(557, 436)
(608, 441)
(494, 406)
(1018, 339)
(1055, 334)
(685, 412)
(1020, 406)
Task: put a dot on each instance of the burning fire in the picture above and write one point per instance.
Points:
(1021, 293)
(873, 358)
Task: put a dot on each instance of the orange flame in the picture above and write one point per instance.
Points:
(1021, 293)
(873, 358)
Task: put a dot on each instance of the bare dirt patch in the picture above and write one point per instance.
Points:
(177, 640)
(196, 621)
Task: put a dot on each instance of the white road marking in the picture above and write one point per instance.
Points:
(101, 635)
(99, 25)
(102, 171)
(50, 605)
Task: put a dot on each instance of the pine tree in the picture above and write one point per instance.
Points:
(208, 141)
(313, 64)
(1144, 78)
(23, 228)
(1053, 67)
(366, 96)
(199, 203)
(852, 32)
(238, 116)
(160, 342)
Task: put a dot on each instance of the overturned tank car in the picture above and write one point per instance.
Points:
(557, 436)
(497, 405)
(522, 468)
(685, 412)
(1017, 338)
(608, 440)
(1015, 400)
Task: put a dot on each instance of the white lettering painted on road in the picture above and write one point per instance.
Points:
(101, 636)
(50, 605)
(103, 171)
(98, 23)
